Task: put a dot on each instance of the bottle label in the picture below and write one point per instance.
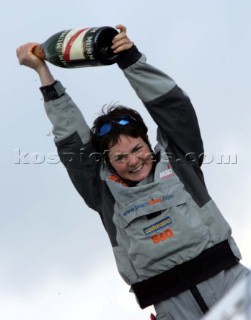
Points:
(76, 46)
(73, 45)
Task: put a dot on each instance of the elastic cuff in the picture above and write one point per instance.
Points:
(128, 57)
(53, 91)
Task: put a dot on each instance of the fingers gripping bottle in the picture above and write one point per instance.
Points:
(79, 48)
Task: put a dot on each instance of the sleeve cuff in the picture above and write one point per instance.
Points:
(53, 91)
(128, 57)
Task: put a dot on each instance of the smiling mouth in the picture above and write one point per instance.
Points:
(137, 169)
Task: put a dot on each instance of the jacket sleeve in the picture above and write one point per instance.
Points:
(72, 138)
(169, 107)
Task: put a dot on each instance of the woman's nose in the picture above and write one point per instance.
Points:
(132, 159)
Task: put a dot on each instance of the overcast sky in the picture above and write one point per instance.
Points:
(55, 257)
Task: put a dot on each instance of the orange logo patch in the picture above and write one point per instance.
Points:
(168, 233)
(117, 179)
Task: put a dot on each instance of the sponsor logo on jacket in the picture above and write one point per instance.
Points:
(166, 173)
(148, 203)
(166, 234)
(157, 226)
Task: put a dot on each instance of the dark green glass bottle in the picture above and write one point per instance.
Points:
(77, 48)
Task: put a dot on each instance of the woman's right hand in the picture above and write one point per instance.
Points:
(27, 58)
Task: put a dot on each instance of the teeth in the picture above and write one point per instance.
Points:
(136, 169)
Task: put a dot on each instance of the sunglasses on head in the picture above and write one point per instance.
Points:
(107, 127)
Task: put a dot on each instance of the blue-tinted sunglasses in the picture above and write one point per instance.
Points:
(107, 127)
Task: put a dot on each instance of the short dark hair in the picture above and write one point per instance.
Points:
(109, 114)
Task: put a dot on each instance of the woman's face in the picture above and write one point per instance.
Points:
(131, 158)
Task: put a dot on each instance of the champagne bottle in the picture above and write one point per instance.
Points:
(79, 48)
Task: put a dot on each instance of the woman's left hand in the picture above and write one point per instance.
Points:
(121, 42)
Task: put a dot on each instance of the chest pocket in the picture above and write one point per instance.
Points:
(158, 198)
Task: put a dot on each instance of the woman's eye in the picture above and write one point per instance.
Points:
(120, 158)
(137, 148)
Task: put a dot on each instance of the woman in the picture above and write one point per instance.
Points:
(171, 243)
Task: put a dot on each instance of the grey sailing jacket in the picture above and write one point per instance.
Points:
(166, 232)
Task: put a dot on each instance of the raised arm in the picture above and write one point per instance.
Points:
(168, 105)
(71, 132)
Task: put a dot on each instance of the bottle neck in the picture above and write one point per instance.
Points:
(39, 52)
